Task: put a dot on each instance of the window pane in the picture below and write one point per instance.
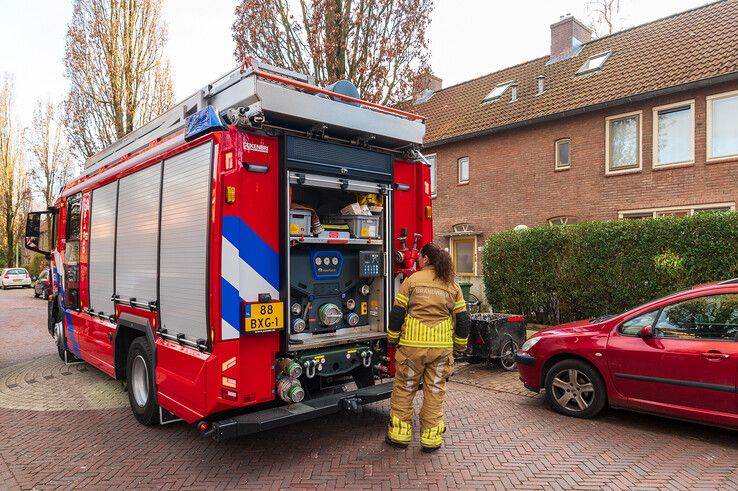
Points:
(463, 169)
(563, 153)
(724, 139)
(464, 256)
(672, 213)
(675, 136)
(624, 142)
(634, 326)
(432, 161)
(711, 317)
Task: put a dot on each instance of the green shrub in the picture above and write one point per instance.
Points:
(557, 274)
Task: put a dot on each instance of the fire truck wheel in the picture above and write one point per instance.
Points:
(140, 378)
(61, 345)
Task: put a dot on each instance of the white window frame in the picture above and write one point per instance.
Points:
(708, 147)
(583, 71)
(458, 170)
(627, 170)
(654, 142)
(452, 247)
(504, 86)
(434, 174)
(557, 165)
(691, 208)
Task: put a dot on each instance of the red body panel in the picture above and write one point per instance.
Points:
(683, 378)
(410, 205)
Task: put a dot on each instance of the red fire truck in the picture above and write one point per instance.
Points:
(234, 260)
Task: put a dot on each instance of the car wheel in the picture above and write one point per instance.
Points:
(575, 388)
(508, 350)
(140, 382)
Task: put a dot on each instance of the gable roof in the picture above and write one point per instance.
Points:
(697, 46)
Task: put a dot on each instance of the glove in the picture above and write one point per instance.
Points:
(459, 350)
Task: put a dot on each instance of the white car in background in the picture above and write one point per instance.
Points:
(11, 277)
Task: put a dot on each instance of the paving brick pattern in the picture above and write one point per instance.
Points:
(497, 439)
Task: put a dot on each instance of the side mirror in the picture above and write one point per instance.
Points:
(645, 332)
(39, 232)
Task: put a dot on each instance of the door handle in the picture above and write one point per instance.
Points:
(715, 355)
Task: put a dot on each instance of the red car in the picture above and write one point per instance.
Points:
(677, 357)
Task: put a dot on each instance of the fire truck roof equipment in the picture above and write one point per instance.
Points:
(257, 94)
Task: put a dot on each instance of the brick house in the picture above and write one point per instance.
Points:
(641, 123)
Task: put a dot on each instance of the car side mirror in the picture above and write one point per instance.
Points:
(645, 332)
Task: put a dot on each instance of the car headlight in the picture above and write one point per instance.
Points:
(530, 343)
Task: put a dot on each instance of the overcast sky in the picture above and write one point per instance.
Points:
(468, 38)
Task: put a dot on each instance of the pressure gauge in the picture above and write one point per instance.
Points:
(350, 304)
(296, 308)
(365, 290)
(352, 319)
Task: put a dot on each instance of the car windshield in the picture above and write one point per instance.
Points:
(17, 271)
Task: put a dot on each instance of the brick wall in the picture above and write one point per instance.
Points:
(513, 181)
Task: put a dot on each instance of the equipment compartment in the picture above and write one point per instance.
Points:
(337, 274)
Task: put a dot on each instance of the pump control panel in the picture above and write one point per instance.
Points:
(370, 264)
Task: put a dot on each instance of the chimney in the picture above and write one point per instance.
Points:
(567, 35)
(540, 80)
(429, 85)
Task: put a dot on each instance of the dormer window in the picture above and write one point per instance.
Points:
(498, 91)
(594, 63)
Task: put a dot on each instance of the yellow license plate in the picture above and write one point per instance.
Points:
(263, 316)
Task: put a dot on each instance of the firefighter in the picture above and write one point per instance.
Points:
(430, 324)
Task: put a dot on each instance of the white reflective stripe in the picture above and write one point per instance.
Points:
(229, 262)
(439, 375)
(228, 331)
(410, 384)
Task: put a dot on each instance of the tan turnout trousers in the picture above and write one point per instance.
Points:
(432, 366)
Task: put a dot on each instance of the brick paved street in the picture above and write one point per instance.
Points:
(70, 427)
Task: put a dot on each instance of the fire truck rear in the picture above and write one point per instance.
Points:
(234, 260)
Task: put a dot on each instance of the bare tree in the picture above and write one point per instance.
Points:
(52, 161)
(603, 18)
(118, 75)
(379, 45)
(15, 191)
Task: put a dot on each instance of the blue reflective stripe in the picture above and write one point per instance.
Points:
(72, 337)
(230, 304)
(252, 249)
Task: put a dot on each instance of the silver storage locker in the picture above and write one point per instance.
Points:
(138, 235)
(102, 248)
(184, 243)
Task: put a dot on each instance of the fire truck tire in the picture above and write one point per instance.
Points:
(140, 378)
(61, 344)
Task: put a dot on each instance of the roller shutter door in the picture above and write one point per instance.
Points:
(184, 242)
(102, 248)
(138, 234)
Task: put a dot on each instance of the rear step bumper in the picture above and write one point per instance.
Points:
(276, 417)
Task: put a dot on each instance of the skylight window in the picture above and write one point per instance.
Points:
(498, 91)
(594, 63)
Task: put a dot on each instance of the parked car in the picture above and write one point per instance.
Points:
(42, 287)
(11, 277)
(677, 357)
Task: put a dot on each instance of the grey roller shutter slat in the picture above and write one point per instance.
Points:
(184, 243)
(102, 248)
(138, 234)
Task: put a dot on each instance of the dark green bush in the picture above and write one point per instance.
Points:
(557, 274)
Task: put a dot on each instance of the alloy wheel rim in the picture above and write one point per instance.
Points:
(573, 390)
(140, 381)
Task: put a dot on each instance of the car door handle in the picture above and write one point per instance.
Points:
(715, 355)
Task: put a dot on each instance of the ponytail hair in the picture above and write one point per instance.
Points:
(440, 260)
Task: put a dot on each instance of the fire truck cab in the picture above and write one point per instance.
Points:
(234, 260)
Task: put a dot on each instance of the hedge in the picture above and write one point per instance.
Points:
(555, 274)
